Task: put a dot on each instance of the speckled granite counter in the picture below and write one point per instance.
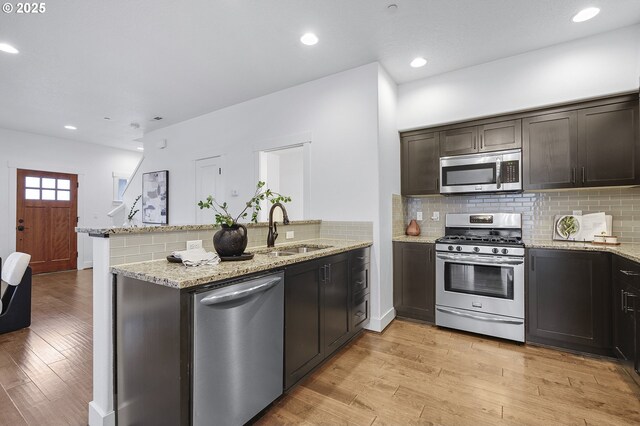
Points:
(179, 276)
(175, 228)
(628, 250)
(418, 239)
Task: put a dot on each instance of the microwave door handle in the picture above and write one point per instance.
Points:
(498, 166)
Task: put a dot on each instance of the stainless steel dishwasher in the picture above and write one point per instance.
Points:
(238, 350)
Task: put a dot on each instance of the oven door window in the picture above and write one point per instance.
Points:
(481, 280)
(471, 174)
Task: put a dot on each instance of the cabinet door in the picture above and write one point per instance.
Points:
(414, 280)
(302, 321)
(550, 150)
(420, 164)
(459, 141)
(623, 275)
(500, 136)
(608, 145)
(569, 299)
(336, 302)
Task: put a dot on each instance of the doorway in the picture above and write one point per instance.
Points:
(46, 216)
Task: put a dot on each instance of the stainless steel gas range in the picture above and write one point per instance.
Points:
(480, 275)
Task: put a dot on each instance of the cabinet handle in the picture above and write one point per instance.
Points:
(481, 141)
(360, 282)
(622, 300)
(627, 309)
(630, 273)
(474, 143)
(329, 269)
(533, 263)
(573, 175)
(583, 174)
(437, 184)
(360, 257)
(359, 314)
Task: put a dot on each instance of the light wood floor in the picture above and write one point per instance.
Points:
(410, 374)
(415, 374)
(45, 370)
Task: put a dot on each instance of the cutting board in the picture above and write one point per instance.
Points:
(589, 225)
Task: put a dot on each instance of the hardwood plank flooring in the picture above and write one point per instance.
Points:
(411, 374)
(46, 369)
(417, 374)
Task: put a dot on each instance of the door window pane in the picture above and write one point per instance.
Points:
(64, 195)
(32, 182)
(64, 184)
(48, 194)
(48, 183)
(32, 194)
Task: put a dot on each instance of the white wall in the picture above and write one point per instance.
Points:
(94, 165)
(604, 64)
(389, 184)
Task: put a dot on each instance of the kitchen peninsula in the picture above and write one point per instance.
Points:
(130, 252)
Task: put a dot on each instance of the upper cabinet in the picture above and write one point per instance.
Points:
(485, 138)
(550, 147)
(607, 145)
(585, 148)
(420, 163)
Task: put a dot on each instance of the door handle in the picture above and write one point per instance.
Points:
(20, 228)
(235, 295)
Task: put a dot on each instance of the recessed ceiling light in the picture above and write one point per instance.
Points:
(107, 118)
(69, 127)
(7, 48)
(586, 14)
(140, 148)
(309, 39)
(419, 62)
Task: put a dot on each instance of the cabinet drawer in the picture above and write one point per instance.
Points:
(360, 279)
(360, 257)
(360, 310)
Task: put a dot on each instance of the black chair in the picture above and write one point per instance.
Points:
(16, 304)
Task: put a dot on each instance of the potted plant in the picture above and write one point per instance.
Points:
(132, 213)
(231, 239)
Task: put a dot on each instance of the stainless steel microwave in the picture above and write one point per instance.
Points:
(499, 171)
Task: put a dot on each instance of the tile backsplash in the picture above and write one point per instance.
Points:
(537, 208)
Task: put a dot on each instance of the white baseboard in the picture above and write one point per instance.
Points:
(379, 324)
(86, 265)
(97, 417)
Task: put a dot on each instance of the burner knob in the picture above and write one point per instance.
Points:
(459, 248)
(450, 248)
(495, 250)
(476, 249)
(505, 251)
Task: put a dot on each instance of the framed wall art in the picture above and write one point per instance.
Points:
(155, 197)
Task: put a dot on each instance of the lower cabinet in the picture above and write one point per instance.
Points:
(569, 299)
(414, 280)
(626, 314)
(322, 310)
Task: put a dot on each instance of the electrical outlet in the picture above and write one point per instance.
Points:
(194, 244)
(290, 235)
(435, 216)
(419, 216)
(577, 212)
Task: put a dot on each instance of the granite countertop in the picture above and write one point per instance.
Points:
(418, 239)
(179, 276)
(175, 228)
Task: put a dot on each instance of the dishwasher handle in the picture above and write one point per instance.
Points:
(226, 296)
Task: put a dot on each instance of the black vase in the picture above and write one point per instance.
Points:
(230, 240)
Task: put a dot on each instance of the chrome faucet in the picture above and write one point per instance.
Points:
(273, 229)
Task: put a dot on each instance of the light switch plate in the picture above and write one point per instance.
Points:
(577, 212)
(290, 235)
(419, 216)
(435, 216)
(194, 244)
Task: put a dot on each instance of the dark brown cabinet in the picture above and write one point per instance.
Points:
(569, 300)
(321, 312)
(414, 280)
(496, 136)
(589, 147)
(607, 150)
(420, 163)
(550, 150)
(626, 315)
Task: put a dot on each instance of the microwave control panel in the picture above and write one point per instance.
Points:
(510, 171)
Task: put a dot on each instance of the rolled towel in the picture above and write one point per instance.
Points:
(197, 257)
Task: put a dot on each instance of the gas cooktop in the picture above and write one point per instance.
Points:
(481, 240)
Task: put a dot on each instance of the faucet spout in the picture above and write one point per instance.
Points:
(273, 228)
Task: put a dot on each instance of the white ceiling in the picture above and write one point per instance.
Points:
(131, 60)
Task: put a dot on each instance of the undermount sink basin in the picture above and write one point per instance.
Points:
(290, 251)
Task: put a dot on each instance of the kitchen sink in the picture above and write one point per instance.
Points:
(280, 253)
(290, 251)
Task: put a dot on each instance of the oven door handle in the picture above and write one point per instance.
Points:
(478, 317)
(478, 260)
